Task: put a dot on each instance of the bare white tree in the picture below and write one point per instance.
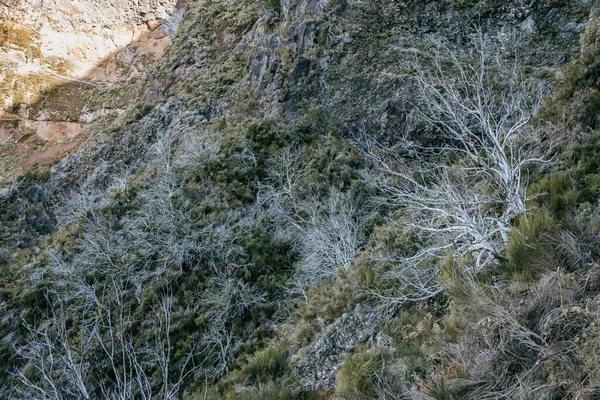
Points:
(460, 196)
(102, 277)
(98, 356)
(55, 367)
(330, 238)
(280, 196)
(218, 343)
(228, 296)
(171, 384)
(483, 106)
(326, 230)
(98, 281)
(160, 229)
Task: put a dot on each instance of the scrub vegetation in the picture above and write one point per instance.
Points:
(455, 257)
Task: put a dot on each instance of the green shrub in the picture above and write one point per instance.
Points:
(268, 391)
(270, 260)
(357, 376)
(439, 390)
(556, 192)
(577, 93)
(332, 297)
(414, 335)
(264, 139)
(274, 5)
(265, 366)
(587, 172)
(529, 246)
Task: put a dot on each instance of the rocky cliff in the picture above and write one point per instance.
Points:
(53, 55)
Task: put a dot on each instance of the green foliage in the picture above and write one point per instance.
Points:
(232, 174)
(414, 335)
(269, 262)
(331, 298)
(328, 300)
(335, 163)
(265, 140)
(577, 97)
(36, 174)
(556, 193)
(265, 366)
(274, 5)
(357, 376)
(264, 135)
(529, 244)
(587, 171)
(439, 390)
(268, 391)
(265, 375)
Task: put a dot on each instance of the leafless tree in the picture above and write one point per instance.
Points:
(460, 197)
(327, 230)
(226, 298)
(163, 349)
(56, 368)
(102, 276)
(329, 238)
(98, 356)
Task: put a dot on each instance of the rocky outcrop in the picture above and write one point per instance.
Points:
(53, 54)
(346, 57)
(319, 363)
(71, 38)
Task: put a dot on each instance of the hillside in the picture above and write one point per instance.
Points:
(299, 199)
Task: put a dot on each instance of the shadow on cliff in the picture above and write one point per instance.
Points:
(38, 133)
(50, 126)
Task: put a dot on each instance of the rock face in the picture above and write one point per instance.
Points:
(52, 53)
(71, 38)
(321, 360)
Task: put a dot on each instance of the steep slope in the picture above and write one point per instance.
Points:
(227, 205)
(54, 54)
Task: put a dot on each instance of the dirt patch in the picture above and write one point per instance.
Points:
(56, 132)
(15, 127)
(51, 154)
(28, 137)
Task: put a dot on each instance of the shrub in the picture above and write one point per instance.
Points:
(529, 247)
(357, 376)
(587, 159)
(265, 139)
(274, 5)
(333, 297)
(577, 96)
(270, 260)
(556, 193)
(268, 391)
(266, 365)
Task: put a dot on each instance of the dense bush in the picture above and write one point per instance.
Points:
(530, 245)
(266, 365)
(357, 376)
